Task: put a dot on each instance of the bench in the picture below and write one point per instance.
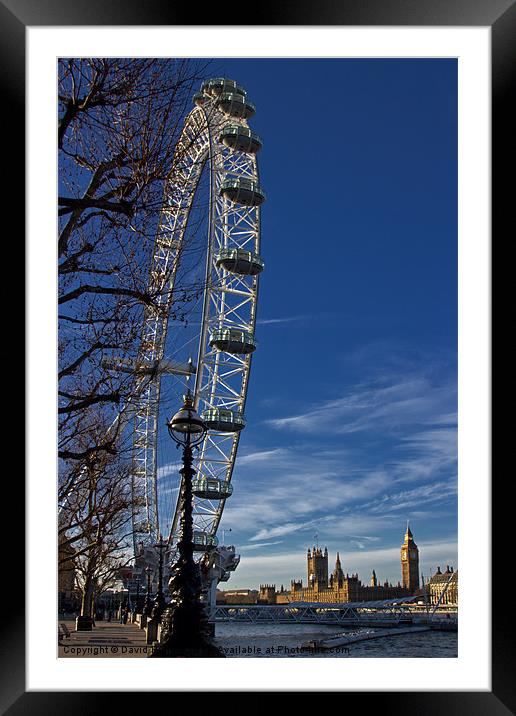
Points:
(62, 632)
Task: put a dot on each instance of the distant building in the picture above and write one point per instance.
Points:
(444, 586)
(340, 587)
(237, 596)
(336, 587)
(267, 594)
(318, 568)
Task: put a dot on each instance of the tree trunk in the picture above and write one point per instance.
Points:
(87, 599)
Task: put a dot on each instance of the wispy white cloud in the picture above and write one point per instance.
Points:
(367, 538)
(358, 544)
(263, 456)
(426, 454)
(281, 530)
(389, 407)
(281, 492)
(171, 468)
(293, 319)
(361, 541)
(287, 491)
(407, 499)
(288, 319)
(258, 545)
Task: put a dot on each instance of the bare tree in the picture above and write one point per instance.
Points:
(119, 121)
(95, 531)
(118, 124)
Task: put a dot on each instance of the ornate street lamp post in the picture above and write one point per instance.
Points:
(185, 624)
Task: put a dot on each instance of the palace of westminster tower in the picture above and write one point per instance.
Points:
(409, 562)
(340, 587)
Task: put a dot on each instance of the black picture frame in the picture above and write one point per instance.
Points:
(500, 16)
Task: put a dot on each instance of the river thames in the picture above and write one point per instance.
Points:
(285, 640)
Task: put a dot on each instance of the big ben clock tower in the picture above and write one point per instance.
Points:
(409, 562)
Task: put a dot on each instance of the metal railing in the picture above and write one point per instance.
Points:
(317, 614)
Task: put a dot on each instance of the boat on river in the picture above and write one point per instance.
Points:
(350, 637)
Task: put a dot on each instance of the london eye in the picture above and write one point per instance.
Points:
(216, 142)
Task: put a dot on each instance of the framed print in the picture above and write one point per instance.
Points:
(375, 313)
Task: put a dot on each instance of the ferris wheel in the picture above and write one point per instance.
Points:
(216, 137)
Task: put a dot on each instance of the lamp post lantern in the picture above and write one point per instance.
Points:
(184, 626)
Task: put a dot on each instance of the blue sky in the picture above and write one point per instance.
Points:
(352, 405)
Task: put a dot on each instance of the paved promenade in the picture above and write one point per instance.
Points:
(107, 639)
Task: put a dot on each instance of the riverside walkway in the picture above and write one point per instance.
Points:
(107, 639)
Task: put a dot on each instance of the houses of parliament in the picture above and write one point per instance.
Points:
(340, 587)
